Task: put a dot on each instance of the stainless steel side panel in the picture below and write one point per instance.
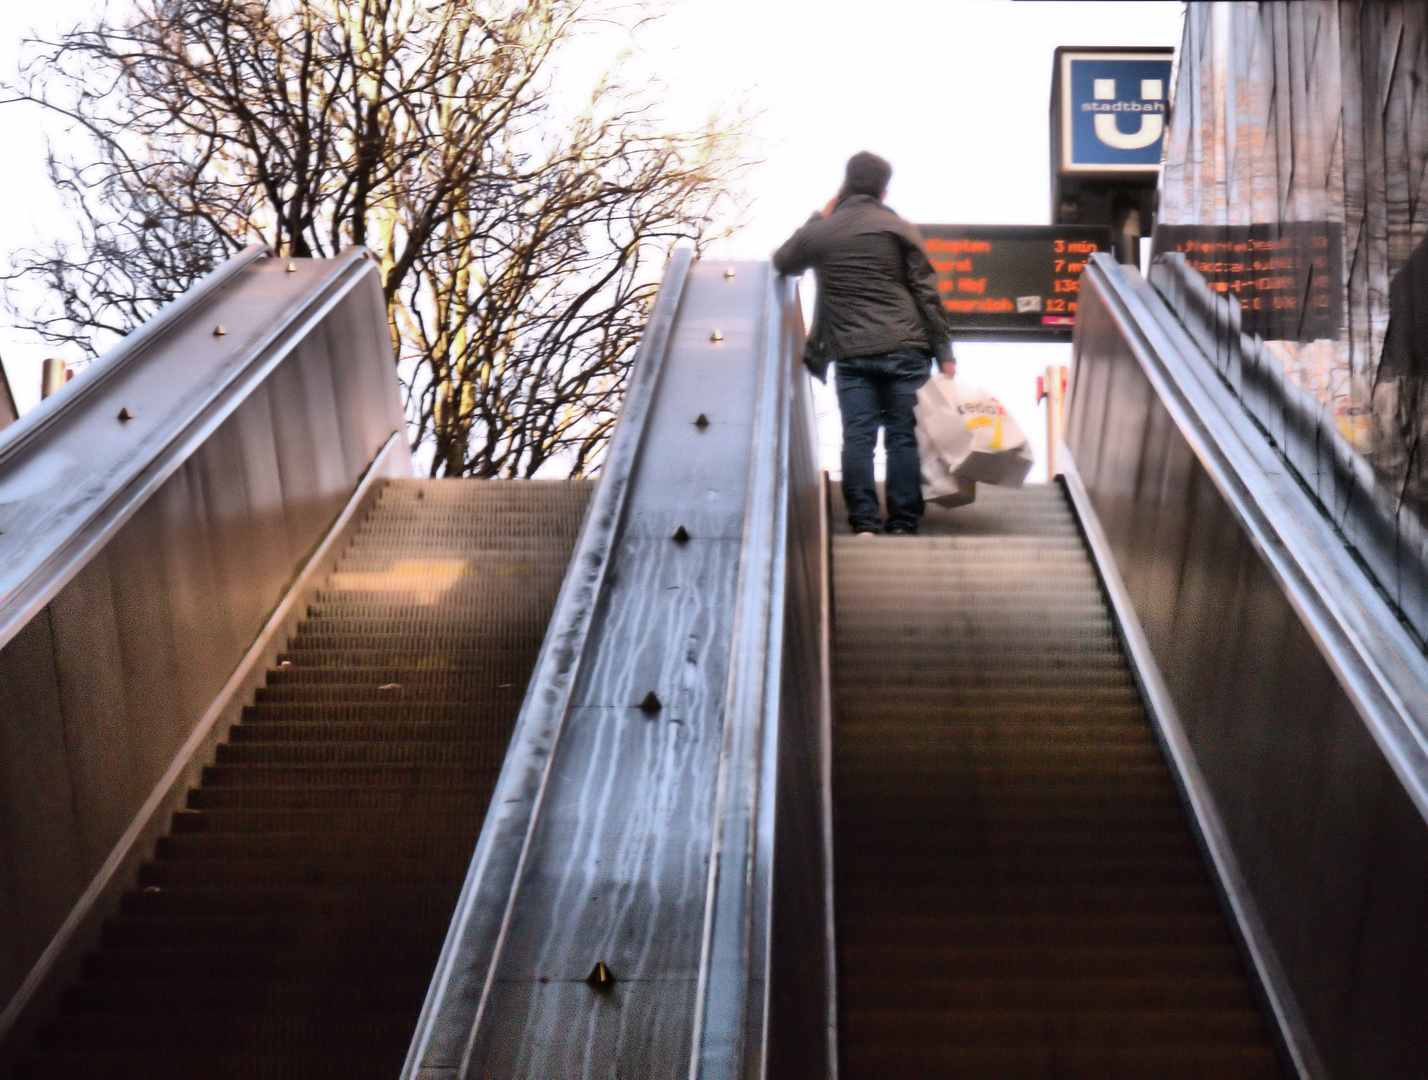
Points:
(802, 1031)
(139, 559)
(1301, 697)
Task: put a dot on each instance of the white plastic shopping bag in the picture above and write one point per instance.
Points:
(971, 434)
(938, 484)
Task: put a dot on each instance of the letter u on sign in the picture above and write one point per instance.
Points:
(1151, 124)
(1151, 127)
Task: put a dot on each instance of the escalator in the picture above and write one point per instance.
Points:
(343, 773)
(289, 922)
(1018, 891)
(410, 778)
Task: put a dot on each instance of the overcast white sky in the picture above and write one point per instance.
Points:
(953, 92)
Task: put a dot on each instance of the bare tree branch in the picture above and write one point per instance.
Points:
(519, 245)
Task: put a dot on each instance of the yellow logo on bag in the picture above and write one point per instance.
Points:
(974, 422)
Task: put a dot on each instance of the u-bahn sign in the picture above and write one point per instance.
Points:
(1011, 282)
(1108, 111)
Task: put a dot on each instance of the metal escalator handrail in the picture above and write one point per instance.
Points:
(40, 552)
(1375, 659)
(461, 985)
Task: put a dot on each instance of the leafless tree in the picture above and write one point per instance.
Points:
(520, 241)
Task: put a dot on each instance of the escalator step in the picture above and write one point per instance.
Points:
(343, 844)
(316, 871)
(1017, 891)
(277, 1063)
(169, 997)
(473, 793)
(187, 1034)
(351, 960)
(354, 775)
(288, 924)
(498, 704)
(1069, 1030)
(170, 931)
(1057, 996)
(1125, 1060)
(418, 899)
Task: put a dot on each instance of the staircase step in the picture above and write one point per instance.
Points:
(194, 1034)
(1071, 1030)
(891, 1060)
(1017, 892)
(340, 844)
(359, 960)
(1073, 993)
(313, 871)
(264, 730)
(353, 775)
(1018, 900)
(359, 1063)
(1057, 962)
(394, 692)
(471, 793)
(288, 924)
(465, 753)
(998, 929)
(501, 705)
(396, 821)
(383, 900)
(168, 930)
(169, 997)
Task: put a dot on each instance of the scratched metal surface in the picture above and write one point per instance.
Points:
(618, 864)
(684, 847)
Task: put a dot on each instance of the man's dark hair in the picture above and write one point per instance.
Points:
(866, 174)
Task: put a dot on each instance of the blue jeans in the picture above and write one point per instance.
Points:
(873, 392)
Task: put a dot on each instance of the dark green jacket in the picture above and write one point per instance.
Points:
(877, 293)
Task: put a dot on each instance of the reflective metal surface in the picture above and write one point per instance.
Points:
(643, 832)
(140, 558)
(801, 1039)
(1303, 700)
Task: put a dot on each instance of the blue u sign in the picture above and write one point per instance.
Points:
(1116, 111)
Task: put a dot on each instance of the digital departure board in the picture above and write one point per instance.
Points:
(1287, 275)
(1011, 282)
